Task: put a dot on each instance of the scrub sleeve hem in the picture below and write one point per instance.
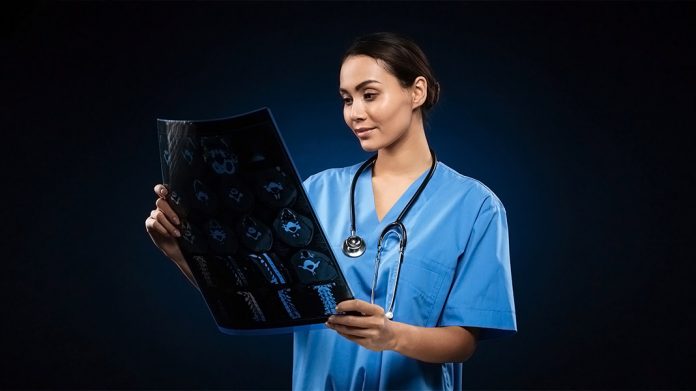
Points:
(493, 323)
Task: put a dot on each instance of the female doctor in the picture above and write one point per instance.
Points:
(424, 248)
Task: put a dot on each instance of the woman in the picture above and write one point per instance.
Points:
(454, 284)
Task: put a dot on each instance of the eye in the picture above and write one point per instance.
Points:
(369, 95)
(346, 100)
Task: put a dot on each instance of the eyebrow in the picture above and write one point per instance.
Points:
(360, 85)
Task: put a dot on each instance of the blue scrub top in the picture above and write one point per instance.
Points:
(455, 272)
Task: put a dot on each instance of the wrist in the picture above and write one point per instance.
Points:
(401, 336)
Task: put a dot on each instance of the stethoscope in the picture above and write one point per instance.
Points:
(354, 245)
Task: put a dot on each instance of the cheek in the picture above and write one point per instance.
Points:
(391, 115)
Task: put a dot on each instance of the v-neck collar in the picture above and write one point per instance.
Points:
(396, 208)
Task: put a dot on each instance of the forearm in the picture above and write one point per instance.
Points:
(434, 344)
(183, 266)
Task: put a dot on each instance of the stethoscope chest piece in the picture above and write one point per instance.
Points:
(354, 246)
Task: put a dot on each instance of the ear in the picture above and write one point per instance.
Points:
(419, 92)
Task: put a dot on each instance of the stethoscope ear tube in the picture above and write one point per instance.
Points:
(398, 226)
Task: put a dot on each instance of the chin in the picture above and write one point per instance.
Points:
(368, 146)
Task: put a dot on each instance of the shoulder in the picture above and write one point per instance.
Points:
(336, 175)
(468, 190)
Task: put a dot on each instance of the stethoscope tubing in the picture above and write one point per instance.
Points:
(362, 168)
(354, 245)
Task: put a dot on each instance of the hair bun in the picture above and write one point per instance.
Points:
(436, 93)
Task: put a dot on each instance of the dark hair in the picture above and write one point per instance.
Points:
(403, 58)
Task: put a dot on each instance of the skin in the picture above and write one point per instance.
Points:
(162, 225)
(403, 155)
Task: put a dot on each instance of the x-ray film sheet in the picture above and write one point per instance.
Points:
(249, 233)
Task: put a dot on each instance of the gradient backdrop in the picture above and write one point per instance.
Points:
(579, 116)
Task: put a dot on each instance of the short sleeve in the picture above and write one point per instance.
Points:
(308, 181)
(481, 293)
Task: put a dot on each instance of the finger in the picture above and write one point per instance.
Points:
(161, 190)
(347, 305)
(343, 334)
(351, 332)
(162, 219)
(164, 206)
(360, 306)
(351, 320)
(152, 225)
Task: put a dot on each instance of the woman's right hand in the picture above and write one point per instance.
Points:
(163, 227)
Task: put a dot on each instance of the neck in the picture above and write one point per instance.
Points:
(408, 156)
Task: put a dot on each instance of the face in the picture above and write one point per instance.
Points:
(375, 106)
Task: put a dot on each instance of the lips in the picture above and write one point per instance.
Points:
(362, 130)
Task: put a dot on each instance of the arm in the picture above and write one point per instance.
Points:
(180, 262)
(435, 344)
(374, 331)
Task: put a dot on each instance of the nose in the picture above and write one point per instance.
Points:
(357, 111)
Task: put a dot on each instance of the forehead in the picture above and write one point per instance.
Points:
(357, 69)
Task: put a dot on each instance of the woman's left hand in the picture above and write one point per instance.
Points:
(372, 330)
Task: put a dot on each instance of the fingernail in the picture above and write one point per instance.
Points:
(177, 233)
(176, 220)
(162, 190)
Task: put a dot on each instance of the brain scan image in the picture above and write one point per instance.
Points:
(249, 233)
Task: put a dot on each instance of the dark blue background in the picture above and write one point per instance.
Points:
(579, 116)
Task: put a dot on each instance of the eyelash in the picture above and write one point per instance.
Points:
(345, 100)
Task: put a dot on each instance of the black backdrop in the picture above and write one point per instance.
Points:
(579, 116)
